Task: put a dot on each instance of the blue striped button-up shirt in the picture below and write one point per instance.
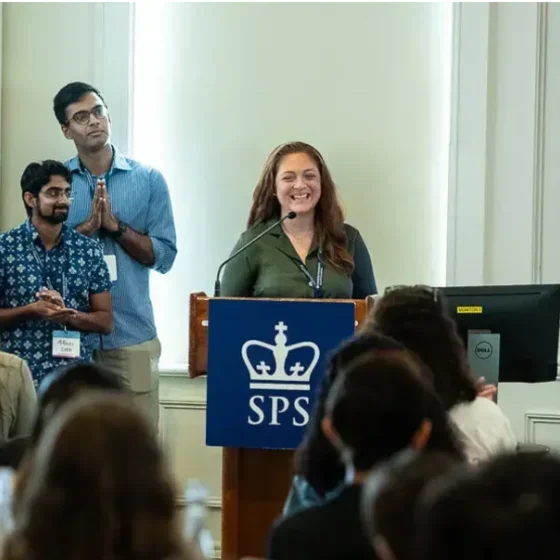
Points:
(140, 198)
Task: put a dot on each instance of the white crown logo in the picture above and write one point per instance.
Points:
(262, 376)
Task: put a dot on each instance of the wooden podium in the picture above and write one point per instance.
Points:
(255, 482)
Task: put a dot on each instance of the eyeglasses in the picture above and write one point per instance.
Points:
(432, 292)
(82, 117)
(55, 193)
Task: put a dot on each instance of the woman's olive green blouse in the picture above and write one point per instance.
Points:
(271, 269)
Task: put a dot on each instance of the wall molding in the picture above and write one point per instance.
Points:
(502, 167)
(551, 205)
(186, 404)
(467, 154)
(179, 372)
(113, 65)
(539, 142)
(533, 419)
(169, 404)
(214, 502)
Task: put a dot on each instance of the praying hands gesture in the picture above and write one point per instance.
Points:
(137, 245)
(101, 215)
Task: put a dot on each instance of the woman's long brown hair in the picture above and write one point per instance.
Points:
(97, 488)
(329, 216)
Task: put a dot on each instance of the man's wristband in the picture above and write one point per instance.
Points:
(122, 227)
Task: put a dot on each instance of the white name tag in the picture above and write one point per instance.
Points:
(66, 344)
(111, 261)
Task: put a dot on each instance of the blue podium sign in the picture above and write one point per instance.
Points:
(266, 360)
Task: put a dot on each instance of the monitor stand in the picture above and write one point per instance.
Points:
(483, 355)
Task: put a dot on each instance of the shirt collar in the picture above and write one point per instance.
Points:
(119, 162)
(283, 242)
(277, 231)
(34, 234)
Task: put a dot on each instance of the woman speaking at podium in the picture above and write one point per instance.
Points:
(297, 244)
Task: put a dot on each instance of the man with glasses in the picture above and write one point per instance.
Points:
(54, 282)
(126, 206)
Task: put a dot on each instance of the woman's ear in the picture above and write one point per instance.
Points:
(421, 436)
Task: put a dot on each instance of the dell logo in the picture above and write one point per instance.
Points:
(483, 350)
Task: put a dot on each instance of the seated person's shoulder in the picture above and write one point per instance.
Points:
(10, 361)
(300, 525)
(479, 406)
(314, 533)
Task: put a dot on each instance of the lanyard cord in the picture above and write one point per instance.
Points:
(316, 284)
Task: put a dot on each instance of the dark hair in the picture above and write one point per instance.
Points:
(37, 174)
(417, 317)
(316, 459)
(54, 392)
(379, 402)
(391, 494)
(62, 385)
(329, 217)
(71, 93)
(98, 487)
(507, 509)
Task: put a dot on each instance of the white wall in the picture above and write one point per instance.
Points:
(366, 83)
(45, 46)
(37, 59)
(504, 191)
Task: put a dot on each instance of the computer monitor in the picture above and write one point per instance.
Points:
(509, 330)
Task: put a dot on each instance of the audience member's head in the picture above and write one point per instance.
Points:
(417, 317)
(60, 386)
(98, 487)
(381, 404)
(509, 509)
(316, 459)
(390, 499)
(55, 391)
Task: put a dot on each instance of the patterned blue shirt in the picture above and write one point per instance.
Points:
(140, 198)
(74, 267)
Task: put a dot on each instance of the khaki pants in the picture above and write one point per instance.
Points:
(138, 366)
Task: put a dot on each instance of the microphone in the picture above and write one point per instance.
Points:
(217, 285)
